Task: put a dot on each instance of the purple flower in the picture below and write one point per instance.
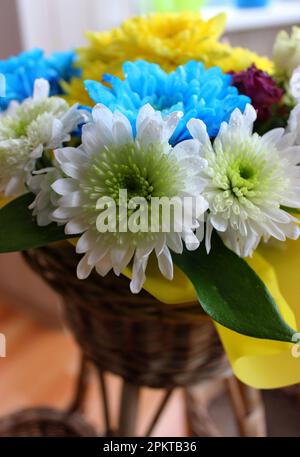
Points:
(261, 88)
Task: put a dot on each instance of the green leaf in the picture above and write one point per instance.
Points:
(232, 294)
(291, 210)
(19, 230)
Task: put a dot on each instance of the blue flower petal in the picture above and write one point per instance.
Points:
(199, 93)
(21, 71)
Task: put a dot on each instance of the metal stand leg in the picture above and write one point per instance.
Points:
(246, 404)
(248, 409)
(129, 410)
(200, 424)
(105, 400)
(81, 388)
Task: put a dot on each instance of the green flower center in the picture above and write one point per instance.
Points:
(14, 127)
(246, 172)
(143, 173)
(132, 179)
(242, 178)
(20, 128)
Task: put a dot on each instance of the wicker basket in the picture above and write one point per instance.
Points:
(135, 336)
(45, 423)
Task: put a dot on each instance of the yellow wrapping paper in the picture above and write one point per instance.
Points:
(4, 200)
(259, 363)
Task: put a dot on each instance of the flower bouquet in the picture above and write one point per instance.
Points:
(169, 159)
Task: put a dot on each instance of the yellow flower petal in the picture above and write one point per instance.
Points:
(168, 39)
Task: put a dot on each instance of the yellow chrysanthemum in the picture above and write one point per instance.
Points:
(169, 39)
(238, 59)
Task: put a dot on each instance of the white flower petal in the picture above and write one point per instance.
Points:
(145, 113)
(43, 218)
(70, 155)
(99, 252)
(165, 263)
(76, 226)
(174, 242)
(84, 269)
(198, 130)
(138, 274)
(37, 152)
(121, 258)
(243, 121)
(170, 124)
(250, 243)
(278, 215)
(71, 170)
(72, 118)
(85, 242)
(218, 222)
(104, 266)
(273, 137)
(291, 201)
(292, 154)
(295, 84)
(250, 115)
(92, 139)
(15, 186)
(291, 231)
(73, 199)
(65, 186)
(274, 230)
(186, 149)
(294, 123)
(208, 234)
(121, 129)
(151, 134)
(58, 135)
(191, 240)
(286, 141)
(41, 89)
(102, 115)
(160, 244)
(65, 213)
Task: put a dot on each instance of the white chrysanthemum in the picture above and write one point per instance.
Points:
(249, 181)
(40, 123)
(111, 159)
(46, 200)
(294, 124)
(295, 84)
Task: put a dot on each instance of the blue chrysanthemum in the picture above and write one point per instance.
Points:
(21, 71)
(199, 93)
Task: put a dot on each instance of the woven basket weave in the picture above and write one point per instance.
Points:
(45, 423)
(134, 336)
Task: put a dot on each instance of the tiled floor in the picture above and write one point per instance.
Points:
(41, 367)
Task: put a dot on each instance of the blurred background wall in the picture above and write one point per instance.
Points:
(60, 24)
(10, 40)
